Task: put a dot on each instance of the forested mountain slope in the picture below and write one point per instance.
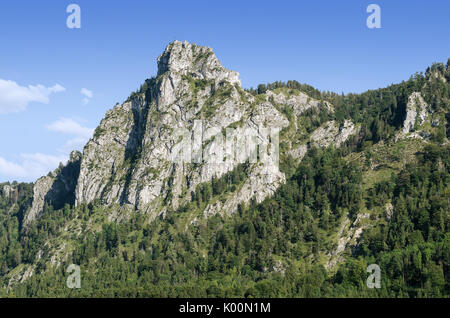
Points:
(362, 179)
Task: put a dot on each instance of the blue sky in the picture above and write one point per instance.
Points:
(44, 65)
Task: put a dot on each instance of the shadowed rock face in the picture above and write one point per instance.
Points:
(129, 159)
(55, 189)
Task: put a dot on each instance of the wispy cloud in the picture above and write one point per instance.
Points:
(15, 98)
(71, 127)
(88, 94)
(68, 126)
(31, 167)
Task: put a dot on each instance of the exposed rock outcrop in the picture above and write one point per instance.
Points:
(198, 61)
(348, 236)
(416, 112)
(332, 134)
(300, 102)
(9, 192)
(299, 152)
(55, 189)
(41, 190)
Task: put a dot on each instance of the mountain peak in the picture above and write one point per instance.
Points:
(197, 61)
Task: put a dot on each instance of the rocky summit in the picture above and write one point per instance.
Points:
(198, 187)
(127, 162)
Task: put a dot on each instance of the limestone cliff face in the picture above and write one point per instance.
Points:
(9, 192)
(416, 112)
(40, 190)
(130, 159)
(133, 159)
(300, 102)
(55, 189)
(418, 120)
(332, 134)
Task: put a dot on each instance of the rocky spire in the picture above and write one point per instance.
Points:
(131, 159)
(196, 61)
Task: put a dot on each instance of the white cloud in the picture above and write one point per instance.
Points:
(31, 167)
(71, 127)
(15, 98)
(88, 94)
